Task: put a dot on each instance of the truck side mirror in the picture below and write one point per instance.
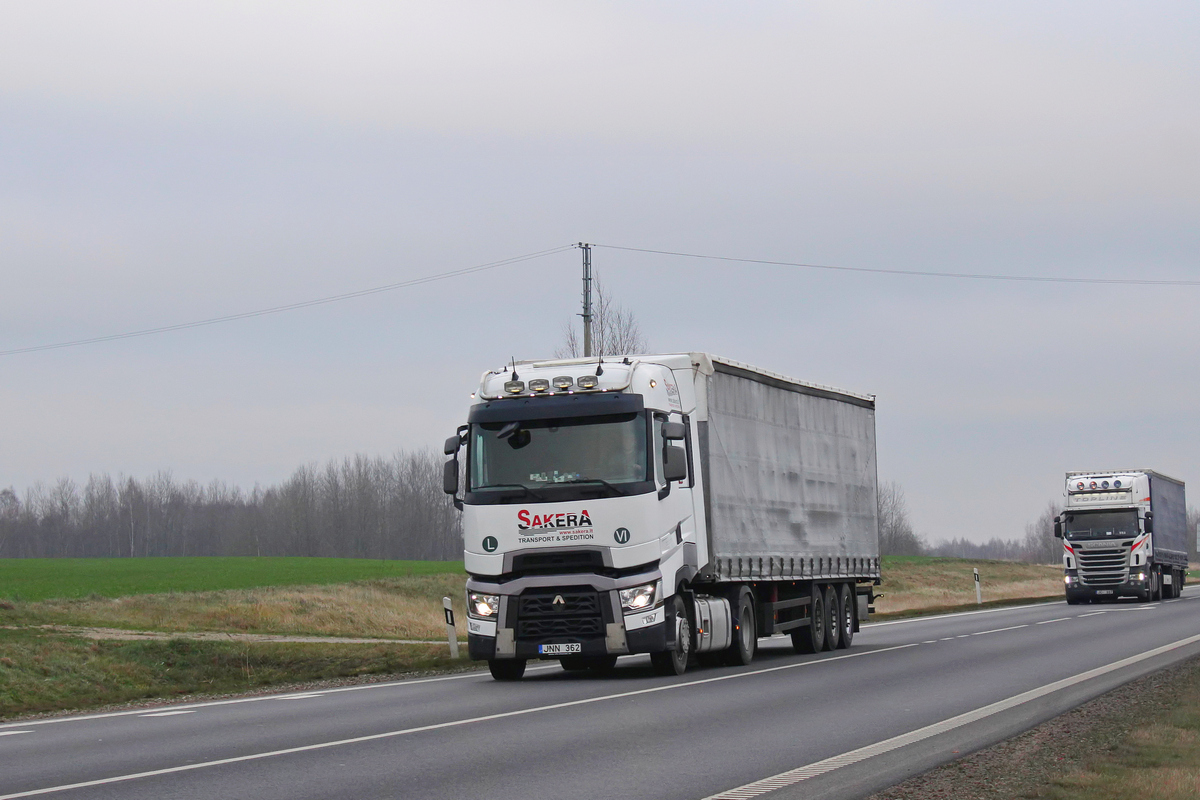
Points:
(1058, 527)
(450, 477)
(674, 431)
(451, 446)
(1148, 525)
(674, 461)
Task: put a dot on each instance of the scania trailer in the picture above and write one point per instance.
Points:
(1124, 535)
(679, 505)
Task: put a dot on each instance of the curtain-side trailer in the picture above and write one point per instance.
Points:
(680, 505)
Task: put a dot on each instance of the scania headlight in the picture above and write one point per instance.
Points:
(484, 606)
(640, 597)
(1068, 580)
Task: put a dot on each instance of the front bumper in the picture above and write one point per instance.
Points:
(591, 618)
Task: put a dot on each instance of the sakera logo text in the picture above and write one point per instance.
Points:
(543, 521)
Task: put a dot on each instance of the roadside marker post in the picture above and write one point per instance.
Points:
(978, 594)
(451, 634)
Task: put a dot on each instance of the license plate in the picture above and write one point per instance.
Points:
(1104, 591)
(560, 649)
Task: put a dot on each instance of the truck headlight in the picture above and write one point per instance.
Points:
(640, 597)
(484, 606)
(1068, 580)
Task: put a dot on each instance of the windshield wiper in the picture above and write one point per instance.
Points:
(601, 481)
(521, 486)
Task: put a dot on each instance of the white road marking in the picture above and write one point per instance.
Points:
(167, 713)
(13, 733)
(958, 614)
(1048, 621)
(452, 724)
(1000, 630)
(1092, 614)
(799, 774)
(962, 636)
(931, 641)
(299, 696)
(947, 639)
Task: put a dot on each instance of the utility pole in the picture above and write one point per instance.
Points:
(587, 299)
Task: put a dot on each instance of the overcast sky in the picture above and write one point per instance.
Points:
(168, 162)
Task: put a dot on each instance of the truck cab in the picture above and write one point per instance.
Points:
(1110, 548)
(580, 509)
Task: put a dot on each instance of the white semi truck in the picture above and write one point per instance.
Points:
(1124, 535)
(678, 505)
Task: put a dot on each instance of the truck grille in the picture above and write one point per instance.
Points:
(1106, 567)
(577, 615)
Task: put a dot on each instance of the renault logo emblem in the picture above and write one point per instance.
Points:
(558, 600)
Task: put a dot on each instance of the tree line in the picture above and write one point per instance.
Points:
(358, 507)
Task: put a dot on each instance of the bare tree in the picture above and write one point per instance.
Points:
(896, 535)
(1040, 546)
(615, 330)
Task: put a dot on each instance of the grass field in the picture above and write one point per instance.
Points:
(918, 584)
(40, 672)
(46, 578)
(46, 668)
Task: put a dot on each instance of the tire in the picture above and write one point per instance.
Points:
(745, 631)
(602, 665)
(1072, 601)
(675, 662)
(507, 669)
(833, 625)
(846, 613)
(811, 637)
(1156, 593)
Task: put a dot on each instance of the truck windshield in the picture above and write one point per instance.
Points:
(1100, 524)
(608, 452)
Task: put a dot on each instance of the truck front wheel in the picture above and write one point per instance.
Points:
(507, 669)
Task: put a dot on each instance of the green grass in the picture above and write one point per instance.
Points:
(40, 672)
(1157, 759)
(47, 578)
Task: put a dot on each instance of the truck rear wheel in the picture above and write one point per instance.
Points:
(810, 638)
(507, 669)
(675, 662)
(745, 631)
(833, 625)
(846, 614)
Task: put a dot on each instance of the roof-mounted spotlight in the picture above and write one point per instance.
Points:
(563, 382)
(539, 385)
(514, 387)
(587, 382)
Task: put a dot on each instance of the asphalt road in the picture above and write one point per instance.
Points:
(907, 696)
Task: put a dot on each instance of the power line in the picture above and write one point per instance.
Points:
(290, 306)
(910, 272)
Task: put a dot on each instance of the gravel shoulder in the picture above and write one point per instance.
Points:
(1027, 765)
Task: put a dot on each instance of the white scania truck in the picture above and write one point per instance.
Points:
(1124, 535)
(678, 505)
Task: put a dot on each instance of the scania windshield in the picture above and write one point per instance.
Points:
(559, 459)
(1100, 524)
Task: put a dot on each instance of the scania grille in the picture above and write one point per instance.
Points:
(1105, 567)
(571, 613)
